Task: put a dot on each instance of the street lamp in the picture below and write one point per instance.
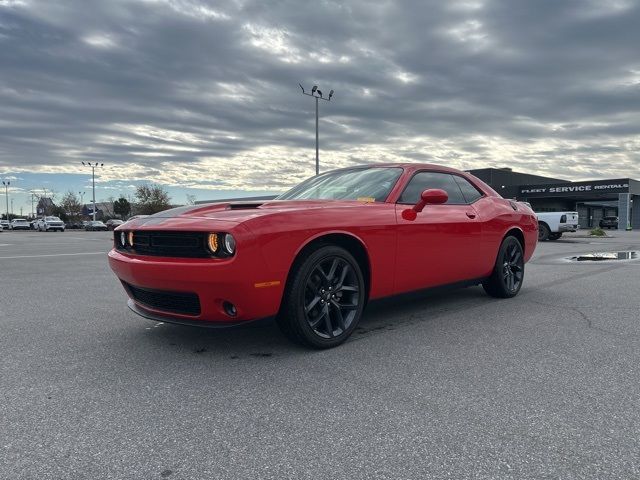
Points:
(6, 194)
(82, 199)
(93, 179)
(317, 94)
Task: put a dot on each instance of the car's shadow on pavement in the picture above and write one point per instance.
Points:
(263, 339)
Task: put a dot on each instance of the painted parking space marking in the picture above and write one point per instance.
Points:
(54, 255)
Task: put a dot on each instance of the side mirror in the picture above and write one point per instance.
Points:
(432, 196)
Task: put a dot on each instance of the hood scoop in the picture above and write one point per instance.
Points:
(244, 206)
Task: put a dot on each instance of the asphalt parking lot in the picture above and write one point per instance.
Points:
(455, 385)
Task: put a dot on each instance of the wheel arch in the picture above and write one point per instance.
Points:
(518, 234)
(350, 242)
(542, 222)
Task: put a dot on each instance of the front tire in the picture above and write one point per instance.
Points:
(508, 272)
(324, 298)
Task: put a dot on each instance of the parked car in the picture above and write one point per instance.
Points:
(551, 225)
(74, 225)
(33, 224)
(19, 224)
(95, 226)
(113, 223)
(46, 224)
(609, 222)
(1, 228)
(5, 224)
(315, 255)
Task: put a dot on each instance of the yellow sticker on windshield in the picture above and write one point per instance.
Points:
(366, 199)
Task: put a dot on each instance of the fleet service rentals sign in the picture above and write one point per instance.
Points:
(584, 189)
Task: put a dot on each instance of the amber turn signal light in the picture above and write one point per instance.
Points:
(212, 242)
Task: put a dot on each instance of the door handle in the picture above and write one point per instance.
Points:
(471, 215)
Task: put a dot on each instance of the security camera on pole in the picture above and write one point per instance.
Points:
(317, 94)
(93, 180)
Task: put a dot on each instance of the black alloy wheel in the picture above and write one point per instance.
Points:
(508, 273)
(331, 297)
(324, 299)
(513, 267)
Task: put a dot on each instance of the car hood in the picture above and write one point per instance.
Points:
(234, 213)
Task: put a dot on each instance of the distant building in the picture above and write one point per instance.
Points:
(45, 205)
(103, 209)
(592, 199)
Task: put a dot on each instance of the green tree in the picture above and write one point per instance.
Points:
(122, 207)
(152, 199)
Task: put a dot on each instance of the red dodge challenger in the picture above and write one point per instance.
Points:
(314, 256)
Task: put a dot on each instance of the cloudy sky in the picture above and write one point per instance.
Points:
(203, 97)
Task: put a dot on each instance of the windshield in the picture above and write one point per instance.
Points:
(355, 184)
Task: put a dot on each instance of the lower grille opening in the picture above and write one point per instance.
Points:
(174, 302)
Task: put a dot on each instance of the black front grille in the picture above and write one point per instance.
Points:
(167, 244)
(175, 302)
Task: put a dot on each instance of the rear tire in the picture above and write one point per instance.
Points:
(324, 298)
(543, 232)
(508, 272)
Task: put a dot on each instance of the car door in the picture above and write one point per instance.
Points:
(438, 247)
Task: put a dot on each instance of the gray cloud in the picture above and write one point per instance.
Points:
(194, 93)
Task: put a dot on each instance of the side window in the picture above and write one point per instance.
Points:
(425, 180)
(470, 193)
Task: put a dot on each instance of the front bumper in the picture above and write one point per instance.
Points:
(239, 280)
(133, 306)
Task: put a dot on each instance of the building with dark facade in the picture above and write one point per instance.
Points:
(591, 199)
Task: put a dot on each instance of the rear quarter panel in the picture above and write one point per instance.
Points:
(499, 218)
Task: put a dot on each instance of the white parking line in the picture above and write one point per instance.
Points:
(55, 255)
(5, 244)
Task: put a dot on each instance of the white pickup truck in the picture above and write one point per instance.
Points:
(551, 225)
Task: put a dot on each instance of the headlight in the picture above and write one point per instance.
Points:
(131, 239)
(229, 244)
(212, 242)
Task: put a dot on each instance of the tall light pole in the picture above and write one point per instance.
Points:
(82, 199)
(6, 184)
(93, 180)
(33, 215)
(317, 94)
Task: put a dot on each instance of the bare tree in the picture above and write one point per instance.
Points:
(71, 205)
(152, 199)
